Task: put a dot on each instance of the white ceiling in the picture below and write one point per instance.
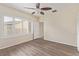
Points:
(20, 6)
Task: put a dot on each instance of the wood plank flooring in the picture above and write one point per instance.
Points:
(40, 47)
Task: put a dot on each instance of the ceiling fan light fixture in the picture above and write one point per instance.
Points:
(33, 12)
(42, 13)
(54, 11)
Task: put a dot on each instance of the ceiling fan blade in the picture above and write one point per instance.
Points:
(42, 13)
(38, 5)
(33, 12)
(46, 8)
(30, 8)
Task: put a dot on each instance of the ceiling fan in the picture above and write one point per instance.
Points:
(41, 9)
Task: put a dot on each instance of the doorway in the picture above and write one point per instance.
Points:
(37, 30)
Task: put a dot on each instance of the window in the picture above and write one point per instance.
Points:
(8, 25)
(15, 25)
(18, 25)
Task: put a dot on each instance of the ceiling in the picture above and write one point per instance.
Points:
(20, 6)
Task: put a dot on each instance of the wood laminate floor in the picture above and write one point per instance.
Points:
(39, 47)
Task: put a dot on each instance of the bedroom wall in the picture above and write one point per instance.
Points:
(61, 26)
(10, 41)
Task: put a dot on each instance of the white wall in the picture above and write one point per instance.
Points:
(61, 26)
(14, 40)
(11, 41)
(78, 32)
